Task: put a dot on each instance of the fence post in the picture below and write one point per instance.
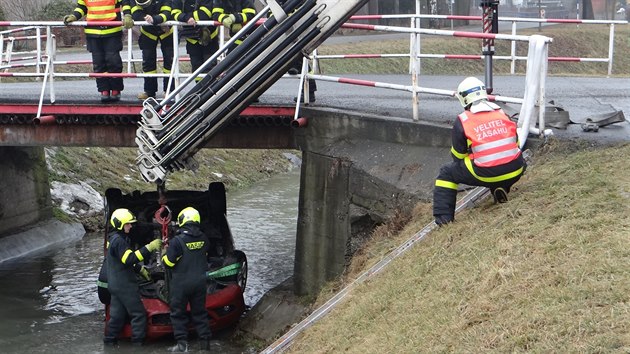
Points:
(611, 48)
(129, 49)
(38, 34)
(414, 62)
(513, 49)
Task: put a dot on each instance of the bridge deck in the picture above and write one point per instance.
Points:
(582, 97)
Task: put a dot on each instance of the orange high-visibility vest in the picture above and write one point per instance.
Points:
(101, 10)
(492, 138)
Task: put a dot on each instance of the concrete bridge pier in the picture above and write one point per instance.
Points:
(25, 193)
(27, 225)
(357, 172)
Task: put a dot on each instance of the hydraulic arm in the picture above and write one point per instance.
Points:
(168, 137)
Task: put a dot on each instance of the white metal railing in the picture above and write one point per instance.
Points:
(512, 57)
(533, 97)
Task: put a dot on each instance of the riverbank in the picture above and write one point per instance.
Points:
(545, 272)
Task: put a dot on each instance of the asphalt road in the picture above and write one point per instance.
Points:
(581, 97)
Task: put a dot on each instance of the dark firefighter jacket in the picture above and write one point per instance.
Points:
(187, 255)
(200, 10)
(101, 10)
(462, 138)
(160, 10)
(243, 10)
(122, 263)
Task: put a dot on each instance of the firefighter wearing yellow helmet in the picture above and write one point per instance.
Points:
(122, 264)
(485, 151)
(187, 259)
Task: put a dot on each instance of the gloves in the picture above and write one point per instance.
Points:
(236, 27)
(205, 36)
(228, 20)
(145, 273)
(154, 245)
(128, 21)
(69, 18)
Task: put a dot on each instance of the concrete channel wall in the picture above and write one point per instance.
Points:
(25, 192)
(358, 171)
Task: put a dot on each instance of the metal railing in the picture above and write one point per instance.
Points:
(48, 59)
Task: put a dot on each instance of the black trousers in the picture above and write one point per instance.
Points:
(149, 61)
(123, 303)
(196, 297)
(297, 65)
(199, 53)
(445, 199)
(106, 59)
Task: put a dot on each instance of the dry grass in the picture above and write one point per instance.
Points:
(547, 272)
(103, 168)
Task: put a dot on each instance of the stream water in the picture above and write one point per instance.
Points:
(50, 304)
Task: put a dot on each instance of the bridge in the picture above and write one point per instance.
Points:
(360, 146)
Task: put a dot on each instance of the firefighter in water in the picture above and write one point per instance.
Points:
(122, 264)
(187, 260)
(485, 151)
(201, 41)
(104, 42)
(154, 12)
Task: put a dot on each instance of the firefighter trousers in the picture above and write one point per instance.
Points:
(200, 53)
(106, 59)
(445, 190)
(123, 303)
(196, 297)
(149, 61)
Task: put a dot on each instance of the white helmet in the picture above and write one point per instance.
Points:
(143, 3)
(471, 90)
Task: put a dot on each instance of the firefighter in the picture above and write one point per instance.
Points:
(201, 41)
(154, 12)
(485, 151)
(233, 15)
(104, 42)
(122, 265)
(187, 260)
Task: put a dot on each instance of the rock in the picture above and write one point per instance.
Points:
(77, 199)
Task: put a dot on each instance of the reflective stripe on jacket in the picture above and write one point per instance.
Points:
(491, 136)
(101, 10)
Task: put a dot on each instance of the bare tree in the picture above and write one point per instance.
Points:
(22, 10)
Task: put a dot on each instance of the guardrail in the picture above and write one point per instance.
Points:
(512, 56)
(414, 55)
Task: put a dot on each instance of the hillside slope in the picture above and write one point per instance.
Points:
(546, 272)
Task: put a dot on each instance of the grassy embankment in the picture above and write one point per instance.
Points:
(546, 272)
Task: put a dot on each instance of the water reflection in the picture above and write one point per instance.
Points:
(50, 304)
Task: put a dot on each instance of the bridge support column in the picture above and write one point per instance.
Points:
(25, 192)
(323, 228)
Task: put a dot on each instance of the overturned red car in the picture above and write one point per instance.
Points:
(227, 267)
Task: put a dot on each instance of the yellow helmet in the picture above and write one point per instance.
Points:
(471, 90)
(188, 214)
(120, 217)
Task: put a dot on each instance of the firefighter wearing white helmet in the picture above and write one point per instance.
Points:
(485, 151)
(122, 265)
(187, 261)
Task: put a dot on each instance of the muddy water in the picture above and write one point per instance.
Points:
(48, 303)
